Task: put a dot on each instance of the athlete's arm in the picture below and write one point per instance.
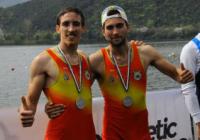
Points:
(35, 86)
(181, 75)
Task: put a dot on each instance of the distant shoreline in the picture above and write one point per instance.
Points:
(102, 43)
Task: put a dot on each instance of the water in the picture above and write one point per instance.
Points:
(15, 61)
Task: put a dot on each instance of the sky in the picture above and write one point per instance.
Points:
(7, 3)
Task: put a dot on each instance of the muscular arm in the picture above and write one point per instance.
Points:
(163, 65)
(152, 57)
(36, 84)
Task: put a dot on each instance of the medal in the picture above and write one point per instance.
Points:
(78, 85)
(80, 103)
(127, 101)
(125, 85)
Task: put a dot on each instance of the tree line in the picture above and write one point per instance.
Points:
(33, 22)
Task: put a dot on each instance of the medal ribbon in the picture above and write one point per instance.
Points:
(78, 85)
(125, 85)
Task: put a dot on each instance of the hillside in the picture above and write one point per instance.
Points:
(34, 21)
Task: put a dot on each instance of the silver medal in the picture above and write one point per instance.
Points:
(124, 84)
(80, 103)
(78, 85)
(127, 101)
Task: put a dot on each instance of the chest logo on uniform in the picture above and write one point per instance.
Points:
(87, 75)
(111, 79)
(66, 76)
(137, 75)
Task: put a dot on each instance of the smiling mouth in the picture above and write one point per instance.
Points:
(70, 36)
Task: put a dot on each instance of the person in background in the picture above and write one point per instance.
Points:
(63, 74)
(120, 69)
(190, 57)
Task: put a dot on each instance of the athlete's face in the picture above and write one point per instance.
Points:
(70, 29)
(115, 31)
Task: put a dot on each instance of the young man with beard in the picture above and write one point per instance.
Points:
(63, 74)
(120, 69)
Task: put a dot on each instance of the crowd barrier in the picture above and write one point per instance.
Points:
(168, 119)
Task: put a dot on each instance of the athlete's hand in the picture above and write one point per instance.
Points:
(185, 75)
(198, 130)
(54, 110)
(138, 42)
(26, 115)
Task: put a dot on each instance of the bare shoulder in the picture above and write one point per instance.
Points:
(148, 51)
(82, 53)
(146, 48)
(148, 54)
(97, 62)
(40, 62)
(96, 57)
(42, 58)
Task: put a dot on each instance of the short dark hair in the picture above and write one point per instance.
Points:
(68, 10)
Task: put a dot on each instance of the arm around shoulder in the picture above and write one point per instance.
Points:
(150, 56)
(154, 58)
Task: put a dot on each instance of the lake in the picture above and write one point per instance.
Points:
(15, 61)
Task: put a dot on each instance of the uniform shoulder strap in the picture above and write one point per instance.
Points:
(197, 42)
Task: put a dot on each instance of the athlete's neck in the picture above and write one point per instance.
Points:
(68, 50)
(71, 53)
(119, 50)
